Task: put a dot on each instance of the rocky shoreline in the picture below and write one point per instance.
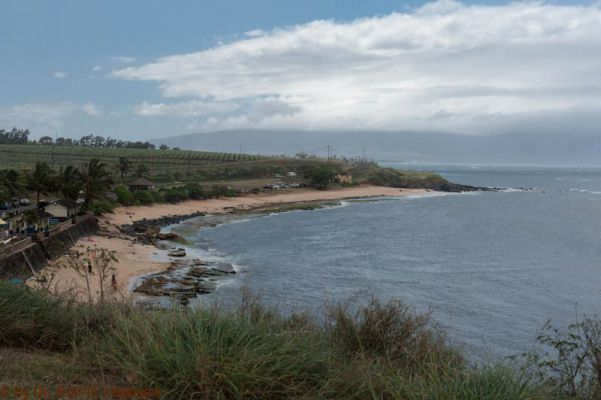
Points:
(187, 278)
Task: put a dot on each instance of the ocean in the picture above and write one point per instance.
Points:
(491, 267)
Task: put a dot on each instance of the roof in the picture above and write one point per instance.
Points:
(3, 222)
(68, 203)
(141, 182)
(42, 214)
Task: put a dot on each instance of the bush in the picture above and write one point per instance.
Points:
(175, 194)
(320, 176)
(124, 196)
(157, 197)
(102, 206)
(393, 332)
(195, 191)
(568, 361)
(223, 191)
(143, 197)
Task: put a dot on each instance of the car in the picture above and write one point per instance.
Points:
(24, 202)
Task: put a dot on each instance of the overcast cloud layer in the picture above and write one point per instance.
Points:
(444, 66)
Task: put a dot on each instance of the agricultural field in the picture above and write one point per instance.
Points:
(159, 161)
(163, 165)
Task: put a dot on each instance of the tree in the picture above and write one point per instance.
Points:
(70, 182)
(10, 181)
(40, 180)
(45, 140)
(142, 170)
(98, 262)
(163, 147)
(95, 180)
(320, 176)
(123, 167)
(30, 216)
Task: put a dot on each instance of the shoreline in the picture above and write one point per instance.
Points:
(136, 259)
(129, 215)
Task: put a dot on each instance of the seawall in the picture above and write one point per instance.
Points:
(31, 255)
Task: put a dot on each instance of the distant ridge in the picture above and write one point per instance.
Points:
(407, 146)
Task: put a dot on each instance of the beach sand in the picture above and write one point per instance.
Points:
(135, 259)
(127, 215)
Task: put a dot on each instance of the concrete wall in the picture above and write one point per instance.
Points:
(21, 262)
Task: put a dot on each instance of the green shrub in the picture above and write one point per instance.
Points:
(320, 176)
(143, 197)
(124, 196)
(195, 191)
(175, 194)
(102, 206)
(157, 196)
(222, 191)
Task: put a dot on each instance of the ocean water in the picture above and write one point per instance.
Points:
(492, 267)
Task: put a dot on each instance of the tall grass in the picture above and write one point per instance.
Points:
(376, 351)
(37, 319)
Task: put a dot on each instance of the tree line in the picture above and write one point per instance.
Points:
(14, 136)
(95, 141)
(91, 179)
(21, 136)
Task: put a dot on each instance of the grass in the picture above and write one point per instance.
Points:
(373, 351)
(381, 176)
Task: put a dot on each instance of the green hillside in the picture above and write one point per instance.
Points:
(25, 155)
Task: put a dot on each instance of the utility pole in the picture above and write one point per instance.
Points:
(328, 146)
(364, 156)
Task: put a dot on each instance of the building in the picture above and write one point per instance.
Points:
(141, 184)
(62, 209)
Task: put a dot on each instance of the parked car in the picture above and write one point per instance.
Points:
(24, 202)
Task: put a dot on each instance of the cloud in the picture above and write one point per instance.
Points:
(60, 75)
(446, 65)
(45, 116)
(193, 108)
(97, 68)
(123, 60)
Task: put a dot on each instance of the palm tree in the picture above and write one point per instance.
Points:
(95, 179)
(123, 167)
(40, 180)
(70, 182)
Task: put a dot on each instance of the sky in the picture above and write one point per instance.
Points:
(148, 69)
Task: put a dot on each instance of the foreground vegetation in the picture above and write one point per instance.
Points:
(378, 350)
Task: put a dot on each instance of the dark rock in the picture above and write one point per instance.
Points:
(177, 253)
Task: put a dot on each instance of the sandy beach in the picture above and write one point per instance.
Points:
(127, 215)
(135, 259)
